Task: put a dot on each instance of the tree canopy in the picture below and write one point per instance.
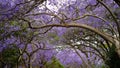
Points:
(62, 33)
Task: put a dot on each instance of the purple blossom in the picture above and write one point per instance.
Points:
(68, 56)
(92, 2)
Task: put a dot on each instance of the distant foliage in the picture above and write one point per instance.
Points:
(9, 56)
(54, 63)
(113, 60)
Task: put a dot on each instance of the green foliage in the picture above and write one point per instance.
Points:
(10, 55)
(101, 66)
(54, 64)
(14, 23)
(54, 37)
(2, 31)
(20, 33)
(24, 25)
(113, 60)
(17, 33)
(2, 24)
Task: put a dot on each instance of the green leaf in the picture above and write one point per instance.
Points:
(25, 25)
(10, 55)
(56, 38)
(2, 31)
(14, 23)
(54, 63)
(17, 33)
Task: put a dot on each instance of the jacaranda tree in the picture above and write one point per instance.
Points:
(67, 33)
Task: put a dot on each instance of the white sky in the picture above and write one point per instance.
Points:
(59, 4)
